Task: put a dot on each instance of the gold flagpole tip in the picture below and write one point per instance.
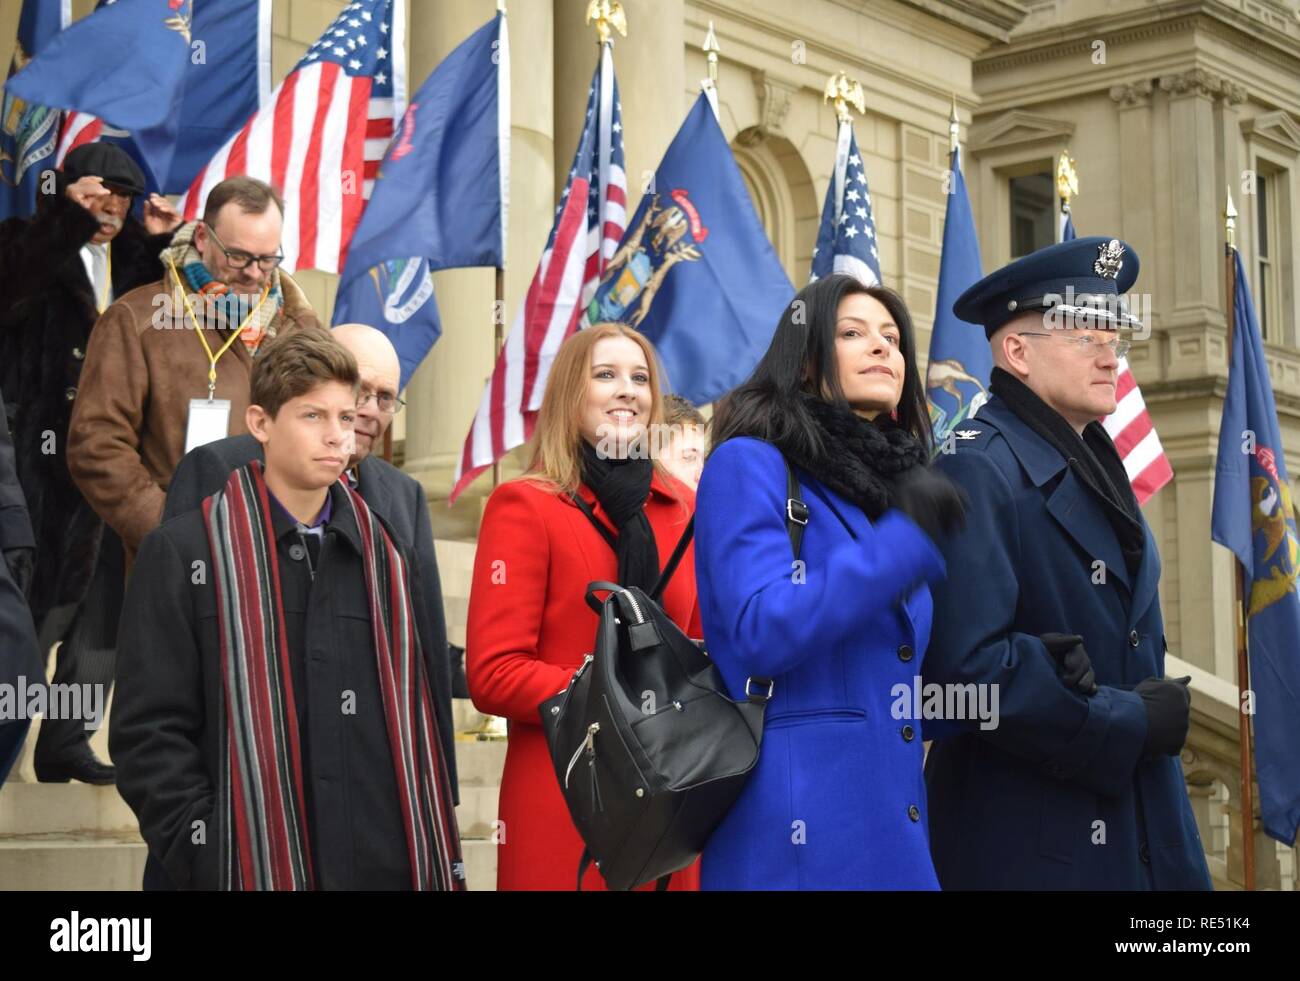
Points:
(845, 93)
(1067, 179)
(608, 16)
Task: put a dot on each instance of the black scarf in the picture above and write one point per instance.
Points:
(1092, 456)
(621, 487)
(859, 458)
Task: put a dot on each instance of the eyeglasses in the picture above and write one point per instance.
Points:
(388, 404)
(1085, 343)
(241, 260)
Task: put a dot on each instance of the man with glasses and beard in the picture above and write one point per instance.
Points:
(61, 269)
(169, 365)
(1052, 598)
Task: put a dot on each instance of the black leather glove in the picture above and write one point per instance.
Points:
(935, 503)
(1073, 665)
(21, 562)
(1168, 702)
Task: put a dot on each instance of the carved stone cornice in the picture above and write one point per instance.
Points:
(1277, 128)
(1134, 95)
(775, 96)
(1199, 82)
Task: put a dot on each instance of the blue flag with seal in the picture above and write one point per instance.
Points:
(695, 271)
(957, 375)
(235, 34)
(439, 201)
(85, 68)
(29, 131)
(1254, 518)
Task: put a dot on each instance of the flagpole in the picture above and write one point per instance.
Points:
(1239, 592)
(498, 314)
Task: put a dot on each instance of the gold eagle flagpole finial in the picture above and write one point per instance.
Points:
(845, 92)
(1067, 179)
(608, 16)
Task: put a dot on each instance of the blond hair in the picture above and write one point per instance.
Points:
(557, 459)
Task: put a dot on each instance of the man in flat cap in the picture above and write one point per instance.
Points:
(60, 270)
(1078, 785)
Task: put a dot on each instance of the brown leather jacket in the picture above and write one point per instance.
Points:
(129, 419)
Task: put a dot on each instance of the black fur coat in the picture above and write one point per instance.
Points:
(47, 311)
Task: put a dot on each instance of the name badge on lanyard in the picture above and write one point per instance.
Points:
(209, 421)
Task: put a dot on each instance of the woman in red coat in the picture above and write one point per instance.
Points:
(529, 625)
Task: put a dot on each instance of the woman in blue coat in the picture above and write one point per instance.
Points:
(837, 798)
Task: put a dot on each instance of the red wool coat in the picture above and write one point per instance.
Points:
(529, 628)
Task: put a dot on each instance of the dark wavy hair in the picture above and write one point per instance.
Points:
(801, 359)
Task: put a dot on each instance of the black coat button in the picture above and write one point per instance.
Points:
(297, 553)
(905, 653)
(1144, 853)
(1133, 639)
(70, 394)
(908, 734)
(913, 812)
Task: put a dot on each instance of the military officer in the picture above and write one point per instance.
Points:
(1079, 785)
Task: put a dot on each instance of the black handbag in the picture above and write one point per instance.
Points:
(649, 749)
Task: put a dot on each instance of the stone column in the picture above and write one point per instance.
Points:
(444, 394)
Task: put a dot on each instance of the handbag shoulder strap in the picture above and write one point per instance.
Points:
(596, 523)
(796, 519)
(674, 560)
(796, 511)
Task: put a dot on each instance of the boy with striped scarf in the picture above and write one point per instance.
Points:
(274, 726)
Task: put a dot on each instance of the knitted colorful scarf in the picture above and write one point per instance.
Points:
(266, 843)
(234, 308)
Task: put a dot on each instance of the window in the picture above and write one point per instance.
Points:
(1033, 213)
(1266, 250)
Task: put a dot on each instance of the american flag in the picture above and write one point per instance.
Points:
(1130, 425)
(320, 137)
(846, 241)
(589, 224)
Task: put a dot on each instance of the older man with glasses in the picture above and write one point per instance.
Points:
(168, 365)
(1052, 606)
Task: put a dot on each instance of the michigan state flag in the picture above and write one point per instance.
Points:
(1254, 517)
(29, 131)
(695, 272)
(957, 375)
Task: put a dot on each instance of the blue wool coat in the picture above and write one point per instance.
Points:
(837, 798)
(1056, 796)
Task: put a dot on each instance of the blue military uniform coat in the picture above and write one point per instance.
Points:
(1056, 796)
(837, 798)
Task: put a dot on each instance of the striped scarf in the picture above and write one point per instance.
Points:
(261, 784)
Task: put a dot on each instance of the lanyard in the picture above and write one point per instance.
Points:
(213, 359)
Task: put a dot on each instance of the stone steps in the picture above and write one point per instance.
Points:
(77, 837)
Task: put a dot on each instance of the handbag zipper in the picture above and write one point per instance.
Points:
(588, 744)
(640, 618)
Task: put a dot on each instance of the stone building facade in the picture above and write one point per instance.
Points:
(1166, 107)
